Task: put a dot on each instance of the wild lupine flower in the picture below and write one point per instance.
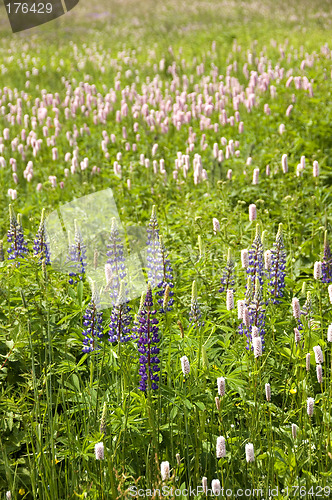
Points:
(245, 324)
(284, 163)
(92, 322)
(119, 328)
(221, 447)
(318, 354)
(166, 297)
(252, 212)
(307, 308)
(136, 324)
(215, 485)
(307, 362)
(250, 456)
(329, 333)
(227, 279)
(41, 244)
(77, 256)
(319, 372)
(255, 268)
(268, 392)
(99, 451)
(103, 423)
(164, 471)
(147, 344)
(15, 236)
(294, 430)
(217, 401)
(185, 366)
(195, 312)
(167, 279)
(154, 257)
(2, 255)
(277, 271)
(257, 314)
(327, 265)
(221, 386)
(317, 270)
(115, 262)
(310, 406)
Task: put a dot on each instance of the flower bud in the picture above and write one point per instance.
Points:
(250, 456)
(164, 470)
(185, 365)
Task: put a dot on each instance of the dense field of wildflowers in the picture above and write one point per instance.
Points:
(211, 124)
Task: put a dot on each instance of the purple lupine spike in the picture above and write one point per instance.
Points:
(15, 236)
(167, 279)
(327, 262)
(257, 312)
(255, 306)
(227, 279)
(147, 344)
(255, 268)
(277, 270)
(77, 256)
(154, 253)
(92, 322)
(119, 327)
(244, 329)
(41, 244)
(116, 261)
(195, 311)
(136, 324)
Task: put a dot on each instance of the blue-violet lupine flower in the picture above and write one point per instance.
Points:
(255, 268)
(77, 256)
(195, 312)
(227, 279)
(257, 313)
(277, 270)
(92, 322)
(167, 279)
(243, 328)
(147, 345)
(136, 323)
(154, 253)
(15, 236)
(119, 328)
(41, 245)
(116, 262)
(327, 262)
